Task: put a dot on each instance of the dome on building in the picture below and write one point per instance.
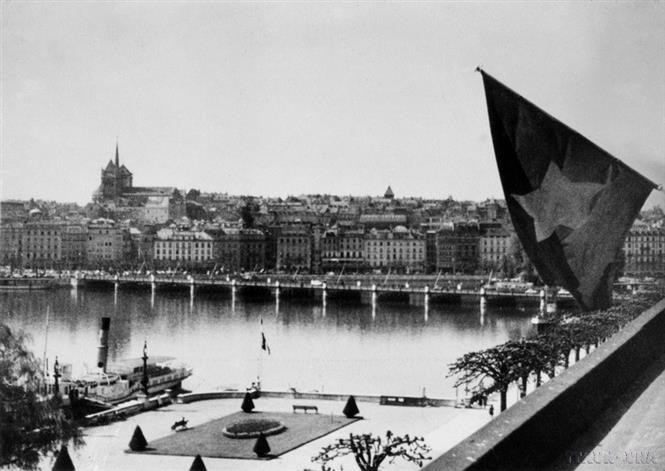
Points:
(389, 193)
(400, 229)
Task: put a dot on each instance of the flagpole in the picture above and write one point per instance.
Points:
(260, 363)
(614, 159)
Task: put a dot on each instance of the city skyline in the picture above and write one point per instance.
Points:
(286, 99)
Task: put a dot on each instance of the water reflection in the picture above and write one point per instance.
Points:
(315, 344)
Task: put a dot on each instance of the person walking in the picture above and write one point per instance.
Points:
(492, 410)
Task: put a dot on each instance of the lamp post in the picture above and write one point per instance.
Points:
(144, 380)
(56, 377)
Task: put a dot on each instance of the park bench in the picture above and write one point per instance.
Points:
(304, 408)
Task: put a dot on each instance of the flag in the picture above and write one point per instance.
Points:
(264, 342)
(571, 202)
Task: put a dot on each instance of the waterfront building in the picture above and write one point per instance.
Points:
(191, 249)
(271, 234)
(644, 250)
(317, 234)
(107, 243)
(342, 249)
(294, 248)
(11, 237)
(430, 251)
(399, 249)
(41, 244)
(457, 248)
(142, 245)
(238, 249)
(493, 246)
(74, 242)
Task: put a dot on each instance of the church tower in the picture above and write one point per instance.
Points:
(115, 179)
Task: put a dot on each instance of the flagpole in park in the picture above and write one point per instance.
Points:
(264, 348)
(571, 203)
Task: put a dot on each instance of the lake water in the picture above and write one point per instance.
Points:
(389, 349)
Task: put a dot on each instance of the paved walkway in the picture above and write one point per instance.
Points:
(442, 427)
(631, 435)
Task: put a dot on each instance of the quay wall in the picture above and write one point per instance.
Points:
(207, 395)
(538, 429)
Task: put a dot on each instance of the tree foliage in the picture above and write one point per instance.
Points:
(370, 451)
(138, 441)
(247, 403)
(351, 408)
(31, 426)
(517, 360)
(261, 446)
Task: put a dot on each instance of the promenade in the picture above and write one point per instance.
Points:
(104, 450)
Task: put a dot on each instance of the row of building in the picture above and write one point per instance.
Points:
(104, 243)
(467, 247)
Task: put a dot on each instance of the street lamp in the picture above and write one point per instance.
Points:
(56, 377)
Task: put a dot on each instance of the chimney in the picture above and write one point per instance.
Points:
(103, 348)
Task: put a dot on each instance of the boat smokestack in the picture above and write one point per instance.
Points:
(103, 348)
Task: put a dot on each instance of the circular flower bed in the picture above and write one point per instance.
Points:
(252, 428)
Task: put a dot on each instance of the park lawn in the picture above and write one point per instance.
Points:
(207, 439)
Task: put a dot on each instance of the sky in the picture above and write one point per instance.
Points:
(286, 98)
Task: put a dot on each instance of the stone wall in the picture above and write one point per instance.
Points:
(539, 428)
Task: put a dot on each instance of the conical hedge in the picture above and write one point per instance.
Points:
(138, 441)
(247, 403)
(63, 462)
(350, 409)
(197, 464)
(261, 447)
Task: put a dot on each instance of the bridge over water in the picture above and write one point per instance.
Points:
(365, 293)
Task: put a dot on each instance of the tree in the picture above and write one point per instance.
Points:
(30, 426)
(138, 441)
(63, 462)
(197, 464)
(351, 408)
(261, 447)
(371, 451)
(495, 363)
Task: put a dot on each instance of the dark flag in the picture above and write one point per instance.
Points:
(571, 202)
(264, 342)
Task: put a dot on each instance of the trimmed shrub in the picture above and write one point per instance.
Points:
(261, 447)
(63, 462)
(198, 465)
(138, 441)
(247, 403)
(350, 409)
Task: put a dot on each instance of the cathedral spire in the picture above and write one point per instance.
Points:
(117, 157)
